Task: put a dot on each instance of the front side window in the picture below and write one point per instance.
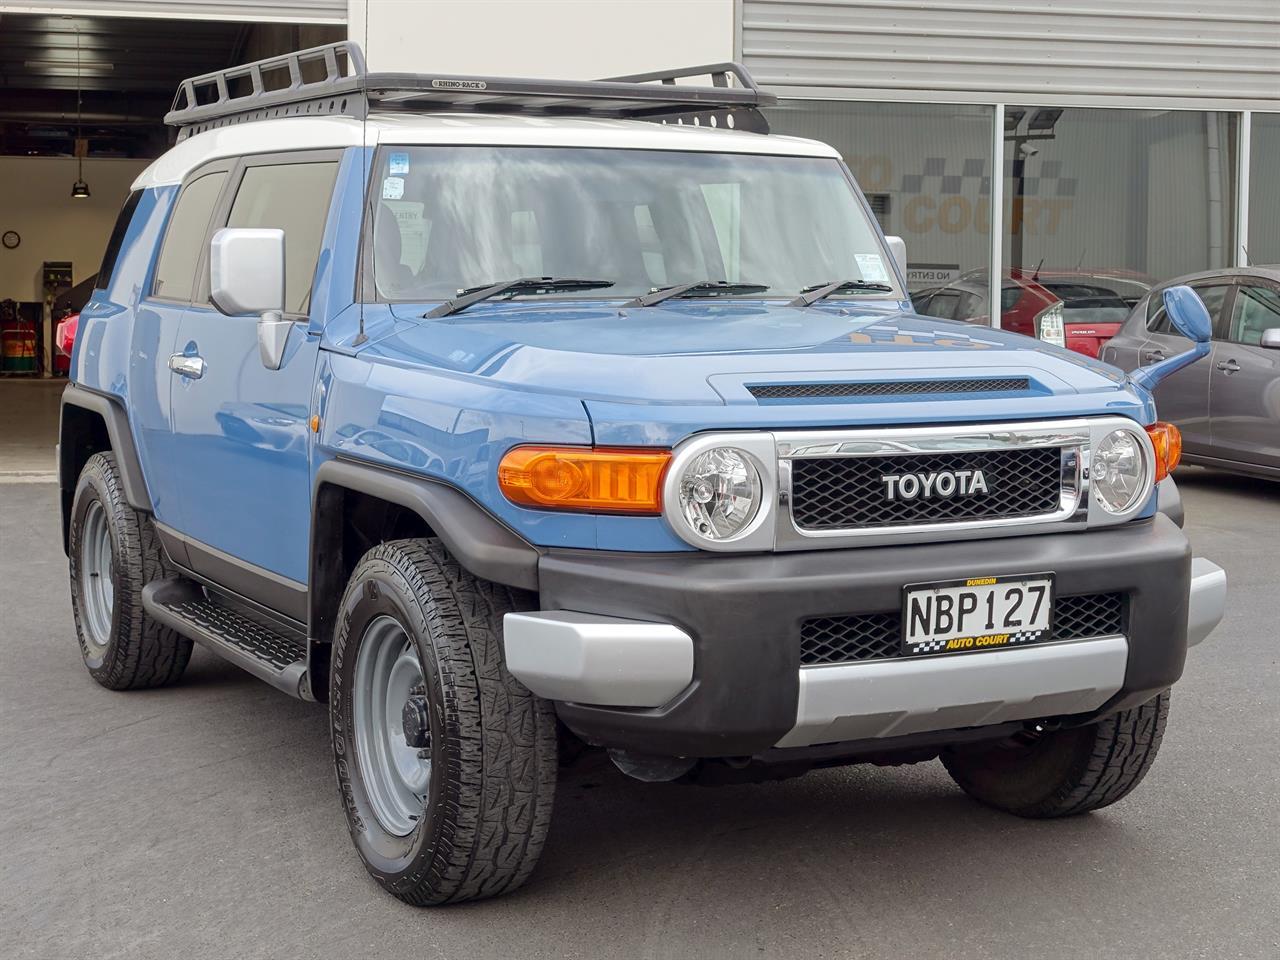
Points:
(1158, 319)
(452, 218)
(1255, 311)
(184, 238)
(295, 198)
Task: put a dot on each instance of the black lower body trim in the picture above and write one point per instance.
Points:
(745, 615)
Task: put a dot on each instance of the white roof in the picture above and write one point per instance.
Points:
(318, 133)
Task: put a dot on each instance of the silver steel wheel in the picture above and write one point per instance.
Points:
(96, 569)
(393, 741)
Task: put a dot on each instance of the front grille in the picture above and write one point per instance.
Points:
(835, 493)
(887, 388)
(1090, 615)
(876, 636)
(871, 636)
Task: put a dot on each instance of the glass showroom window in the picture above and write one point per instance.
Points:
(926, 171)
(1264, 189)
(1100, 204)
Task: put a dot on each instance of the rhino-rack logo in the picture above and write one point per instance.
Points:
(940, 483)
(459, 84)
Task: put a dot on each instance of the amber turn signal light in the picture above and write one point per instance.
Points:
(1167, 440)
(591, 480)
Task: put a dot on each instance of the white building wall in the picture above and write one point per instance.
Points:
(36, 201)
(567, 39)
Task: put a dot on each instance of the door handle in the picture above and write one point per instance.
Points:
(190, 367)
(1228, 366)
(1153, 356)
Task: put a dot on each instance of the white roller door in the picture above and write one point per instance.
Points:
(1148, 52)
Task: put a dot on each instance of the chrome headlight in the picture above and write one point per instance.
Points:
(718, 491)
(1119, 473)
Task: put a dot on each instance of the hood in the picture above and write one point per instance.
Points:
(691, 351)
(698, 362)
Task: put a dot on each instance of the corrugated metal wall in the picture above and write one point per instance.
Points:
(288, 11)
(1149, 52)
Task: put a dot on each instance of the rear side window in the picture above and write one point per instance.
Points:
(116, 241)
(295, 198)
(184, 239)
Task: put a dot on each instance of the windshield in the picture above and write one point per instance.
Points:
(453, 218)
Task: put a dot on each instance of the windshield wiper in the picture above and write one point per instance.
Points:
(472, 295)
(699, 288)
(820, 291)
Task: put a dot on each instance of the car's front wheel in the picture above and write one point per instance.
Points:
(446, 764)
(1063, 772)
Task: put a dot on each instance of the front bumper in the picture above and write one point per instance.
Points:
(723, 676)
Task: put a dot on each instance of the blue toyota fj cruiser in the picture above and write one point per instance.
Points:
(506, 416)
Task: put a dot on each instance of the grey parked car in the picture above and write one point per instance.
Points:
(1228, 409)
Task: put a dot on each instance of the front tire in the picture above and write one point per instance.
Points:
(1064, 772)
(446, 764)
(114, 553)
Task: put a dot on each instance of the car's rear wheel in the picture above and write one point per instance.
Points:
(1063, 772)
(114, 553)
(446, 764)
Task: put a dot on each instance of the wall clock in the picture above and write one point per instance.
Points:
(11, 239)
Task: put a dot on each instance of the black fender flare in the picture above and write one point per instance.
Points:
(116, 420)
(484, 545)
(76, 444)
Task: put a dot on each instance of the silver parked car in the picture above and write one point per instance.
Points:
(1228, 409)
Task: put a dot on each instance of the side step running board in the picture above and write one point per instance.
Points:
(270, 652)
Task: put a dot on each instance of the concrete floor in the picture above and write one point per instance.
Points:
(28, 428)
(203, 821)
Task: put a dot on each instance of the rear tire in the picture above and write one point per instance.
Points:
(114, 553)
(448, 797)
(1065, 772)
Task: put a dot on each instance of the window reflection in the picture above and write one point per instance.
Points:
(926, 172)
(1101, 204)
(1263, 245)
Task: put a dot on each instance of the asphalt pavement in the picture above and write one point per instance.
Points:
(203, 820)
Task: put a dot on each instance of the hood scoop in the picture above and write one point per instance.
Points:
(785, 392)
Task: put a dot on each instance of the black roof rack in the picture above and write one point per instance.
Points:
(333, 80)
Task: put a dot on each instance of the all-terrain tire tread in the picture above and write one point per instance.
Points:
(142, 653)
(1104, 770)
(505, 737)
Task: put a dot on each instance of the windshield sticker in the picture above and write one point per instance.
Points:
(398, 164)
(392, 188)
(872, 267)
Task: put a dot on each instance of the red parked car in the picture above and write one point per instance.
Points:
(1071, 308)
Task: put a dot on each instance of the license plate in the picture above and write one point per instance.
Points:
(981, 613)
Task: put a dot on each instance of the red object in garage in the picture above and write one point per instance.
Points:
(65, 338)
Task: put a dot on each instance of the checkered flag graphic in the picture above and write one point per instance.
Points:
(947, 176)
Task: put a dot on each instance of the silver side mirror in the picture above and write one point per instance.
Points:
(898, 247)
(246, 276)
(1271, 338)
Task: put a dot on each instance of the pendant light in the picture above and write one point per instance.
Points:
(79, 189)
